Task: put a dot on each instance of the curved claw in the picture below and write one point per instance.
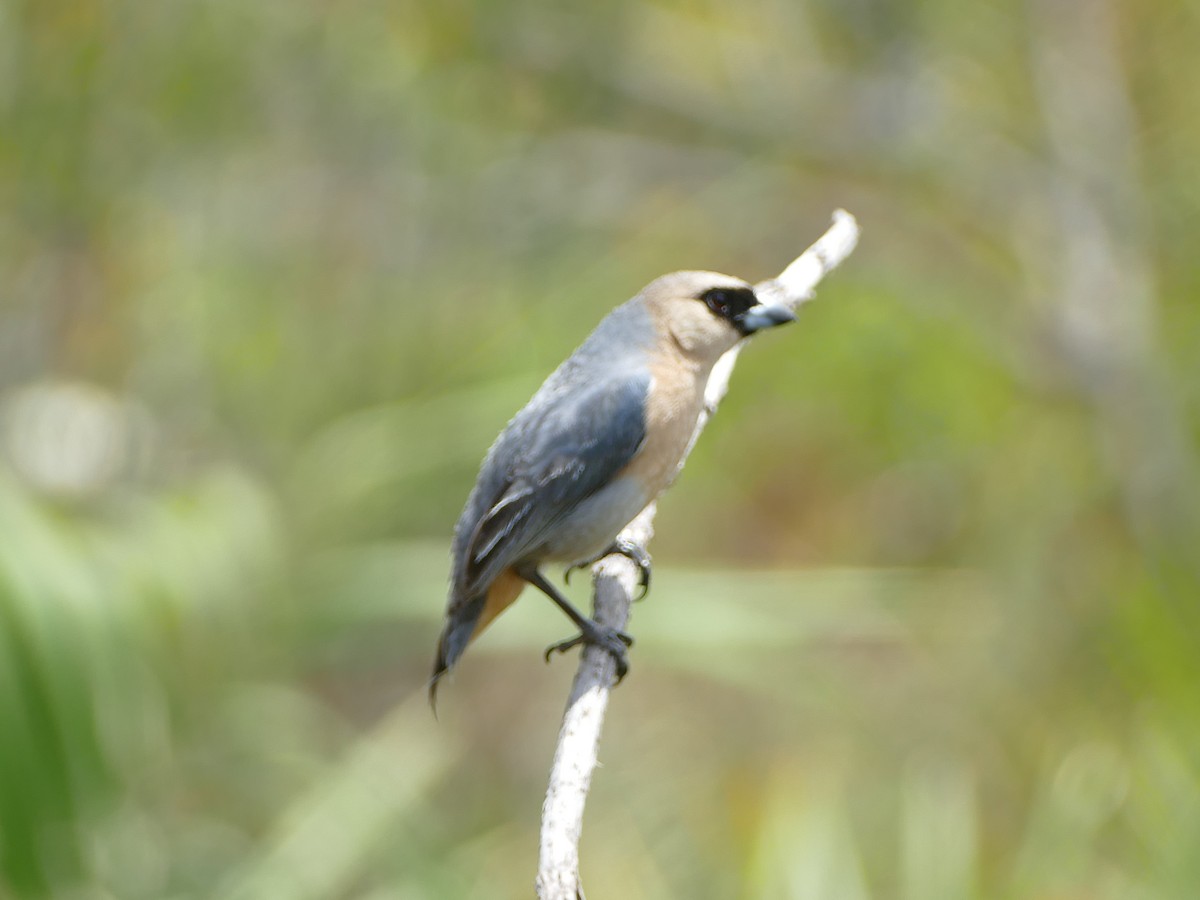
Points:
(562, 646)
(636, 554)
(643, 582)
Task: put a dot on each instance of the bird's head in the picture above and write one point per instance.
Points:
(706, 313)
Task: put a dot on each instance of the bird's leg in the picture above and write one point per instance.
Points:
(635, 553)
(611, 639)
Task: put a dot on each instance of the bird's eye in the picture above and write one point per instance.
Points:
(718, 302)
(728, 303)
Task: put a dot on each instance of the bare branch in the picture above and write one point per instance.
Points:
(793, 287)
(796, 283)
(615, 582)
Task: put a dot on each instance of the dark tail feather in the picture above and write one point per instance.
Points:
(455, 637)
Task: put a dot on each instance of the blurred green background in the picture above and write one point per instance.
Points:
(926, 613)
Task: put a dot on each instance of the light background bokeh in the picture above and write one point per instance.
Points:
(926, 613)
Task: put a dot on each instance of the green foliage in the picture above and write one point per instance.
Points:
(925, 620)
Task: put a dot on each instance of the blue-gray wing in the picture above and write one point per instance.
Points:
(560, 456)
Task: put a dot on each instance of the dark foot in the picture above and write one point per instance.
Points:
(610, 639)
(631, 551)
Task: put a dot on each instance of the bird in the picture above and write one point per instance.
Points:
(599, 441)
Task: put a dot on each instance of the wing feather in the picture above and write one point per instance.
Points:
(566, 455)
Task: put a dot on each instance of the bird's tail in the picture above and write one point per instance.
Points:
(466, 621)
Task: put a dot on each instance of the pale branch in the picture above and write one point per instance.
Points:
(615, 581)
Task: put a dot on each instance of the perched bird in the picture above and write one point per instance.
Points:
(599, 441)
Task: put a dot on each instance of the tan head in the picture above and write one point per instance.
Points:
(705, 313)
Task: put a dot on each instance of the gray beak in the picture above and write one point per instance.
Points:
(756, 318)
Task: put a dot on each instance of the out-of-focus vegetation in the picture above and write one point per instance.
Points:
(926, 617)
